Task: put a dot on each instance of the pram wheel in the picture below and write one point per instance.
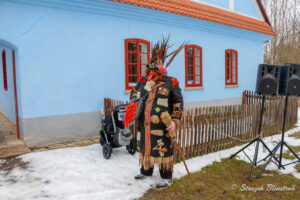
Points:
(102, 141)
(102, 138)
(131, 148)
(107, 150)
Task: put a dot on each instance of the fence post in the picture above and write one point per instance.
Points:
(244, 98)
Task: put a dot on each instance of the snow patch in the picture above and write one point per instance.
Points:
(83, 173)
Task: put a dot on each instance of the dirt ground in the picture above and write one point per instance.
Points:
(7, 165)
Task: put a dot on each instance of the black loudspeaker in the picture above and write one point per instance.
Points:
(289, 84)
(267, 79)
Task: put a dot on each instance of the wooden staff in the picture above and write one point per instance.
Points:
(166, 119)
(182, 156)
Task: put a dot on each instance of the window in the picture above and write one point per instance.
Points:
(137, 56)
(193, 66)
(231, 67)
(4, 70)
(231, 4)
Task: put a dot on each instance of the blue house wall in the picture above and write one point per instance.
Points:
(69, 58)
(245, 7)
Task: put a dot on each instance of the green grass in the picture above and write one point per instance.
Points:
(288, 155)
(224, 180)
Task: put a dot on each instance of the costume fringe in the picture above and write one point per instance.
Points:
(165, 163)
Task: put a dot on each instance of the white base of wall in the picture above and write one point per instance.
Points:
(216, 102)
(45, 130)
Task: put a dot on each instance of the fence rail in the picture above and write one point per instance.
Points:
(110, 104)
(250, 97)
(209, 129)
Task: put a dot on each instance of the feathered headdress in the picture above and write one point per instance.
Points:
(159, 53)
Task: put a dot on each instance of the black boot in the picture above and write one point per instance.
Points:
(140, 177)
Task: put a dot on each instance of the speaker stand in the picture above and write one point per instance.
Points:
(257, 140)
(280, 144)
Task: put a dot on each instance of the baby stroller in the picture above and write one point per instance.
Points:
(113, 134)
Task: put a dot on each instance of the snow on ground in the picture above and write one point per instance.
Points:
(83, 173)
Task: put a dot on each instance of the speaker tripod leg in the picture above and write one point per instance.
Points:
(283, 129)
(280, 157)
(254, 160)
(291, 150)
(243, 148)
(270, 153)
(267, 163)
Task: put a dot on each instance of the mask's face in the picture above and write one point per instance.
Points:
(154, 72)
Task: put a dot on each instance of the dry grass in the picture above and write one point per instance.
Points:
(296, 135)
(74, 143)
(288, 155)
(224, 180)
(298, 167)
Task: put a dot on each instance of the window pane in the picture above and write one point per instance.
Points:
(228, 55)
(229, 63)
(190, 51)
(143, 68)
(197, 71)
(132, 80)
(190, 80)
(132, 58)
(144, 58)
(197, 61)
(197, 79)
(132, 46)
(228, 78)
(143, 47)
(190, 61)
(132, 70)
(233, 74)
(190, 70)
(233, 59)
(197, 52)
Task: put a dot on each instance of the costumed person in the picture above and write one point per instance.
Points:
(162, 110)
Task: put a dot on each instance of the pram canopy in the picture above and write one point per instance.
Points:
(118, 114)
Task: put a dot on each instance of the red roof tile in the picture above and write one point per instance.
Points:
(205, 12)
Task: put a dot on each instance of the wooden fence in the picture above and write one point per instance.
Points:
(250, 97)
(110, 104)
(209, 129)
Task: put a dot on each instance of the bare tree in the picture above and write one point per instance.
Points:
(284, 16)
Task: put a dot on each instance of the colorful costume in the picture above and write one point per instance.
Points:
(156, 147)
(161, 111)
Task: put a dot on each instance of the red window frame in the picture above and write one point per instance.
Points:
(193, 66)
(4, 70)
(128, 73)
(229, 67)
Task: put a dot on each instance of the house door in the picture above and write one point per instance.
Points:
(8, 93)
